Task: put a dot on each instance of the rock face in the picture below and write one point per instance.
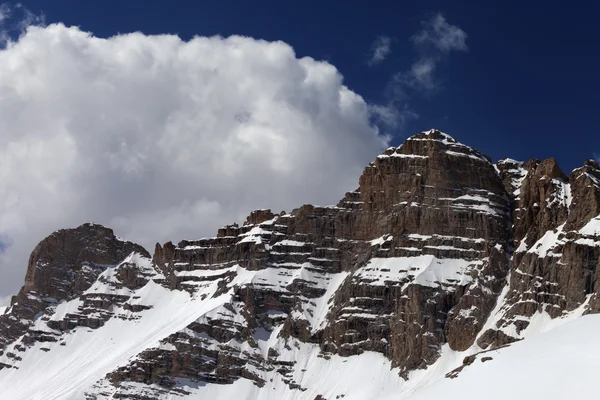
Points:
(61, 267)
(443, 239)
(556, 225)
(438, 250)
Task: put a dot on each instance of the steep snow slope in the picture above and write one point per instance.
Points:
(559, 364)
(66, 369)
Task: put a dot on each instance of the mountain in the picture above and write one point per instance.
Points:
(422, 281)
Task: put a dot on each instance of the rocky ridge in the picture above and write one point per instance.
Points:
(61, 267)
(438, 250)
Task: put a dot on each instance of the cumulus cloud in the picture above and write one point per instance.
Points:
(164, 139)
(380, 50)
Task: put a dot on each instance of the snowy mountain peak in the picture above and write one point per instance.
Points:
(437, 134)
(433, 143)
(592, 163)
(510, 161)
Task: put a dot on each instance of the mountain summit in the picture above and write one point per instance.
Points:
(438, 259)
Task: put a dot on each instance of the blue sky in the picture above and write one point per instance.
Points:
(527, 87)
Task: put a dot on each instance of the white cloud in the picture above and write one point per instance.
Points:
(392, 116)
(421, 75)
(4, 12)
(14, 20)
(380, 50)
(433, 43)
(164, 139)
(443, 36)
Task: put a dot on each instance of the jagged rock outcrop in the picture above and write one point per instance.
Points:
(61, 267)
(556, 226)
(438, 250)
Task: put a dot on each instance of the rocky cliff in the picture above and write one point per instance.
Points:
(61, 267)
(438, 254)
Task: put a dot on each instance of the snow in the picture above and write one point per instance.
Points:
(68, 307)
(65, 372)
(562, 194)
(418, 236)
(193, 247)
(485, 206)
(547, 242)
(409, 249)
(510, 161)
(338, 377)
(269, 221)
(595, 180)
(541, 321)
(568, 194)
(518, 172)
(472, 156)
(381, 240)
(287, 242)
(200, 273)
(324, 303)
(450, 248)
(446, 139)
(257, 230)
(588, 242)
(399, 155)
(425, 270)
(522, 246)
(592, 228)
(254, 235)
(555, 365)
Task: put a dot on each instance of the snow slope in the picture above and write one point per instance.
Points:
(88, 355)
(559, 364)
